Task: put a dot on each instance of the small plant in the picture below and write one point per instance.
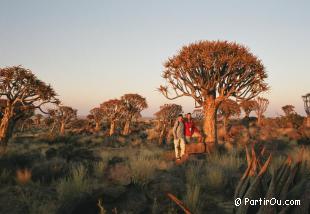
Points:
(101, 208)
(23, 176)
(73, 185)
(4, 176)
(215, 177)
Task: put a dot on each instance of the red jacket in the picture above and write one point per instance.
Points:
(189, 128)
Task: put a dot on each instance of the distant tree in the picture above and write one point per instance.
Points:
(113, 110)
(24, 119)
(306, 99)
(248, 106)
(198, 114)
(62, 116)
(260, 108)
(210, 72)
(37, 119)
(292, 119)
(288, 110)
(166, 116)
(228, 108)
(97, 115)
(133, 105)
(22, 91)
(28, 123)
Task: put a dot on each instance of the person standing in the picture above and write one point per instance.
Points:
(179, 138)
(189, 128)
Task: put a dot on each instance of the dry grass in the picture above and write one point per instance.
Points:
(74, 184)
(192, 197)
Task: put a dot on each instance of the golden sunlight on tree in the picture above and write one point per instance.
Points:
(260, 108)
(113, 110)
(21, 91)
(133, 105)
(211, 72)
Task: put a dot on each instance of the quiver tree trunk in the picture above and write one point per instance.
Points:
(53, 128)
(259, 119)
(6, 127)
(162, 134)
(210, 121)
(97, 128)
(126, 130)
(112, 127)
(308, 121)
(62, 128)
(225, 120)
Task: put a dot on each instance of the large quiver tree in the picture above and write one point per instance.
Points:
(210, 72)
(22, 91)
(133, 105)
(113, 110)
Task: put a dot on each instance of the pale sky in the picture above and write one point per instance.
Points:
(91, 51)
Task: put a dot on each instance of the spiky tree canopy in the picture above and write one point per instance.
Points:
(288, 109)
(261, 105)
(229, 108)
(133, 104)
(214, 68)
(96, 114)
(20, 86)
(113, 109)
(306, 99)
(168, 112)
(63, 114)
(248, 106)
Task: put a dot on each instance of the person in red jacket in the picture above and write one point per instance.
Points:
(189, 128)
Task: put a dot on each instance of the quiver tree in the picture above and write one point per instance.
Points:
(228, 108)
(62, 116)
(260, 108)
(292, 119)
(210, 72)
(165, 117)
(22, 118)
(113, 110)
(22, 91)
(248, 106)
(288, 110)
(96, 114)
(306, 99)
(133, 105)
(37, 119)
(27, 123)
